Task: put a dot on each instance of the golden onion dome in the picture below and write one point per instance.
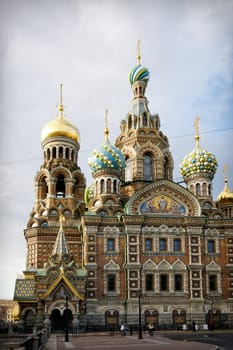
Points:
(226, 194)
(60, 126)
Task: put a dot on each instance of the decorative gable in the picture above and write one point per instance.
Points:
(163, 197)
(111, 266)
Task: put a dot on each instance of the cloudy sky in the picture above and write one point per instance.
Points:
(90, 46)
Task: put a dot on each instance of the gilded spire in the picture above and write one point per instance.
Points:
(196, 125)
(60, 116)
(106, 130)
(138, 52)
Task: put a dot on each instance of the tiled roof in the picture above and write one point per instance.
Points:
(25, 289)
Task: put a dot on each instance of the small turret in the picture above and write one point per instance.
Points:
(198, 169)
(225, 198)
(106, 165)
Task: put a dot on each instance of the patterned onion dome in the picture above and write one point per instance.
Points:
(106, 157)
(198, 163)
(138, 73)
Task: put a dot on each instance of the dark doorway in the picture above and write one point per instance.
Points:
(60, 322)
(152, 318)
(112, 319)
(179, 318)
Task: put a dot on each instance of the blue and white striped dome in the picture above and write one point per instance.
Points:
(138, 73)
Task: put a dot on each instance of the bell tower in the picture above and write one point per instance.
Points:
(145, 147)
(59, 190)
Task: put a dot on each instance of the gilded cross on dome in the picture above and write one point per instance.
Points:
(61, 105)
(225, 171)
(138, 52)
(196, 125)
(106, 130)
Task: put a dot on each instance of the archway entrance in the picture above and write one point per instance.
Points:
(179, 318)
(152, 318)
(214, 318)
(112, 319)
(60, 322)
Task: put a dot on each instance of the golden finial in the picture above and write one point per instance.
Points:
(138, 52)
(196, 125)
(61, 105)
(225, 172)
(106, 131)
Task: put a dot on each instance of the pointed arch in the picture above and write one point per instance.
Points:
(164, 266)
(149, 265)
(178, 265)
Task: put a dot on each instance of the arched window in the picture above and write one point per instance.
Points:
(72, 156)
(54, 152)
(144, 120)
(192, 188)
(204, 189)
(198, 189)
(67, 153)
(43, 188)
(130, 123)
(60, 152)
(147, 166)
(209, 190)
(101, 186)
(109, 182)
(60, 186)
(48, 153)
(115, 186)
(127, 169)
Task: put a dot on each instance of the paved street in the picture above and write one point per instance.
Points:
(117, 342)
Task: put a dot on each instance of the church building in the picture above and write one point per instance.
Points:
(132, 243)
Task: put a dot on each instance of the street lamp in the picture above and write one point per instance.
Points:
(139, 315)
(211, 316)
(66, 321)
